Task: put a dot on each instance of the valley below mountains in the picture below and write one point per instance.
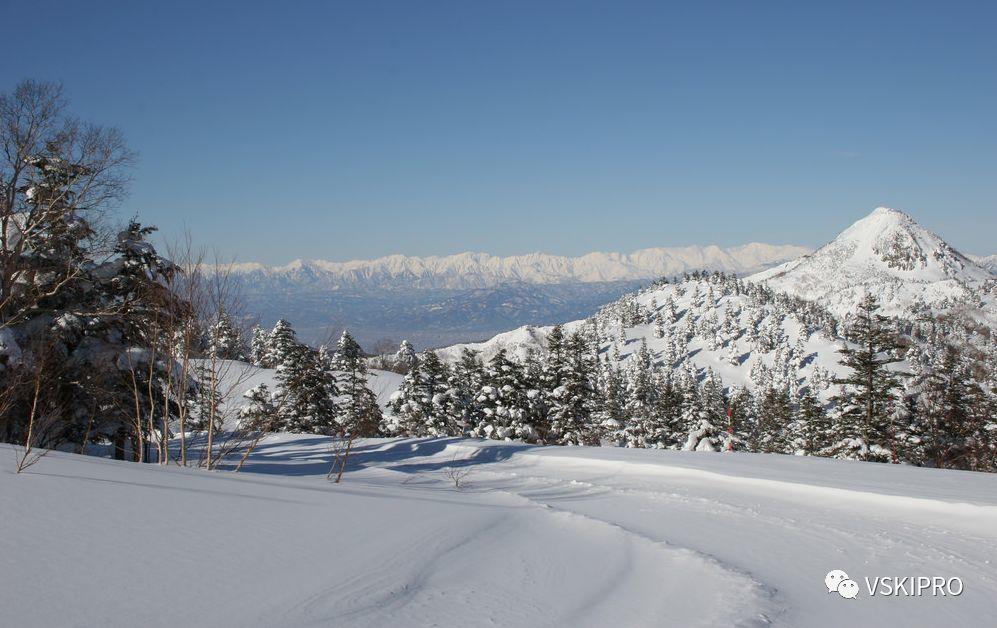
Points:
(438, 301)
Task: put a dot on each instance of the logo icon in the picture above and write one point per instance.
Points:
(838, 582)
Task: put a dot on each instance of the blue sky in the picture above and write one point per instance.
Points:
(352, 130)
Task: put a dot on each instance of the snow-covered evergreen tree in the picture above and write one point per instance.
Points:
(774, 412)
(360, 415)
(306, 391)
(644, 426)
(405, 357)
(258, 347)
(503, 401)
(811, 432)
(573, 402)
(866, 403)
(282, 345)
(948, 423)
(225, 340)
(463, 388)
(259, 414)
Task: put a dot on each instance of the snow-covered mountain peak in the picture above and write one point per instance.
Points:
(887, 253)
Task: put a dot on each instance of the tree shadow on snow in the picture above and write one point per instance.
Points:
(486, 454)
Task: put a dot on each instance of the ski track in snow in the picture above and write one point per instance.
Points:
(539, 537)
(878, 542)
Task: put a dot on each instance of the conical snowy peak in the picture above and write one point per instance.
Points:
(892, 240)
(887, 253)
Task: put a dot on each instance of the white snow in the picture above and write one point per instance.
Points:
(477, 270)
(240, 377)
(890, 255)
(868, 256)
(539, 537)
(988, 262)
(821, 351)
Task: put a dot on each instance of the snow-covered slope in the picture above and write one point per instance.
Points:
(988, 262)
(435, 301)
(557, 536)
(481, 270)
(744, 334)
(887, 253)
(237, 378)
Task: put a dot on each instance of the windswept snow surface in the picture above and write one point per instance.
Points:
(537, 537)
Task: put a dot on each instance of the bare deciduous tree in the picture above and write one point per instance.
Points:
(456, 473)
(341, 447)
(36, 134)
(41, 419)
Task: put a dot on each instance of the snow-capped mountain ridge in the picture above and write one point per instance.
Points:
(988, 262)
(907, 267)
(480, 270)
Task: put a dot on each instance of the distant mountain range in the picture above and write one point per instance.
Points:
(435, 301)
(481, 270)
(908, 268)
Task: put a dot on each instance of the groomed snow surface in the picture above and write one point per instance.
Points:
(534, 537)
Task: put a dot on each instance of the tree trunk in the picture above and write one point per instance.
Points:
(119, 446)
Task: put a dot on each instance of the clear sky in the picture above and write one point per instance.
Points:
(279, 130)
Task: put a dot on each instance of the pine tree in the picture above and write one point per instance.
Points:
(730, 329)
(225, 340)
(573, 401)
(463, 387)
(774, 418)
(360, 415)
(643, 424)
(433, 391)
(282, 345)
(671, 402)
(741, 419)
(503, 401)
(259, 414)
(611, 416)
(537, 386)
(306, 392)
(258, 347)
(812, 431)
(671, 311)
(868, 394)
(659, 324)
(705, 416)
(208, 400)
(406, 405)
(405, 357)
(555, 345)
(950, 426)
